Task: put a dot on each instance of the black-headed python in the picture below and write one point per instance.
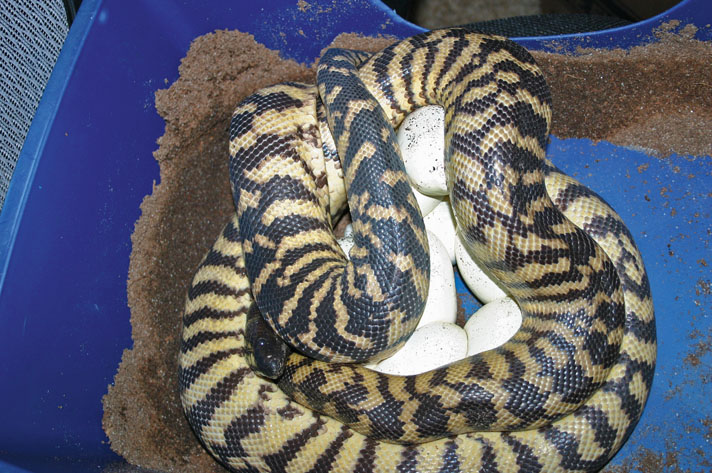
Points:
(562, 395)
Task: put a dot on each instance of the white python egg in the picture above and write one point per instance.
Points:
(484, 288)
(429, 347)
(346, 242)
(441, 304)
(441, 221)
(421, 138)
(425, 202)
(492, 325)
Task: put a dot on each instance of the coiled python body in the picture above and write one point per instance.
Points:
(562, 395)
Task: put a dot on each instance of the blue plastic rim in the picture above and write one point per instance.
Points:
(87, 164)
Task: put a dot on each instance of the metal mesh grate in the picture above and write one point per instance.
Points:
(551, 24)
(31, 34)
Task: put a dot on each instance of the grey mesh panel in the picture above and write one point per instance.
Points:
(547, 25)
(31, 36)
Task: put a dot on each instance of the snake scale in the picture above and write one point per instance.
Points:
(562, 395)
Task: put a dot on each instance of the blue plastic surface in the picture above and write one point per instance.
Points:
(87, 164)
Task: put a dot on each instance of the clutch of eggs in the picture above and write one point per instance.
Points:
(438, 341)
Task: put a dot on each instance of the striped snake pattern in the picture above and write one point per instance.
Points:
(562, 395)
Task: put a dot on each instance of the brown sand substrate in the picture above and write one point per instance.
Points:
(654, 97)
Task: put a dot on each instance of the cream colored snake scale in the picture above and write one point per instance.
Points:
(562, 395)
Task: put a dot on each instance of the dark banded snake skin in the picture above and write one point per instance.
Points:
(562, 395)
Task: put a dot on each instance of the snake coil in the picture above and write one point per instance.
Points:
(562, 395)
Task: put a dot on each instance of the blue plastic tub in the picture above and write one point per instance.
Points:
(87, 164)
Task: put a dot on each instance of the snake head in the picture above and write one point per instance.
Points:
(266, 353)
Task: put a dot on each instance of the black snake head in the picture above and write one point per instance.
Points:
(266, 353)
